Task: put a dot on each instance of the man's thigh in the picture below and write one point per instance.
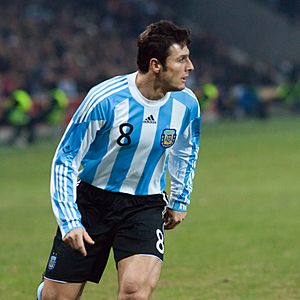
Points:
(139, 273)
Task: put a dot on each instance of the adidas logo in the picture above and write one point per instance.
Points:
(150, 120)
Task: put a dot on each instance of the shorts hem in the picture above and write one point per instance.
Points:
(142, 254)
(71, 281)
(152, 256)
(55, 280)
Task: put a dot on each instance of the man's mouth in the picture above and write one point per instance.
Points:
(184, 79)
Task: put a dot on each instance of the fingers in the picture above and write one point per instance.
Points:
(173, 218)
(87, 238)
(79, 245)
(170, 223)
(76, 237)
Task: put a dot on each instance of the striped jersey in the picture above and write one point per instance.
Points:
(120, 141)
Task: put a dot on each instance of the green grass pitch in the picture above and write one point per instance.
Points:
(240, 240)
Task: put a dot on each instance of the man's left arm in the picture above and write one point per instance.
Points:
(181, 166)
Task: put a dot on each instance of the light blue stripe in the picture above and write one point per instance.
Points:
(163, 176)
(163, 122)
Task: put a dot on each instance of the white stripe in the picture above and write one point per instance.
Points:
(69, 202)
(101, 98)
(74, 179)
(63, 194)
(54, 207)
(95, 91)
(60, 178)
(121, 115)
(56, 179)
(178, 111)
(59, 206)
(141, 154)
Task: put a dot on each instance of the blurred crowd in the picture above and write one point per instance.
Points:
(289, 8)
(72, 45)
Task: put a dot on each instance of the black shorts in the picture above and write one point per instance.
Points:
(128, 224)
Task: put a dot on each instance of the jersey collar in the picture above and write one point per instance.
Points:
(139, 97)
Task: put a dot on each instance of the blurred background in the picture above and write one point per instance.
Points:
(241, 238)
(246, 55)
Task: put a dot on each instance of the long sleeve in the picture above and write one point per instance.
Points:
(66, 163)
(181, 165)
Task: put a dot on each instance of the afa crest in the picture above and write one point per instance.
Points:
(168, 138)
(52, 261)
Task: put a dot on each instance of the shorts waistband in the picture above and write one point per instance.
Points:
(108, 193)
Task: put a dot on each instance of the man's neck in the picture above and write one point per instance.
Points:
(148, 86)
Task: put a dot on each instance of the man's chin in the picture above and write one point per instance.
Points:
(178, 88)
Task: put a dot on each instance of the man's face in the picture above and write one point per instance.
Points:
(178, 66)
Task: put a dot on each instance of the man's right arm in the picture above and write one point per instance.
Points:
(67, 160)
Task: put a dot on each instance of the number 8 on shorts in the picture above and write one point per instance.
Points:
(160, 241)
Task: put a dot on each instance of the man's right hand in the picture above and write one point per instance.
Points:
(76, 238)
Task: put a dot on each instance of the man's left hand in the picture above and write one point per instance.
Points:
(173, 218)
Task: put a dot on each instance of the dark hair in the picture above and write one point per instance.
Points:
(156, 40)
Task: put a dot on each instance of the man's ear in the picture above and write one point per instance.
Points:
(155, 65)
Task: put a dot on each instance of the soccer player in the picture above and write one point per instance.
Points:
(128, 130)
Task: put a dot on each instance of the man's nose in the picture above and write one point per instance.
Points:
(190, 66)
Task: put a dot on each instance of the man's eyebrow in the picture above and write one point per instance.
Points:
(184, 55)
